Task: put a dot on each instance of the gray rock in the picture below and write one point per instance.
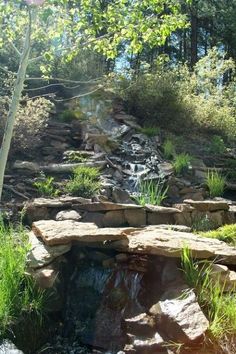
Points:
(181, 316)
(40, 254)
(8, 347)
(68, 215)
(135, 217)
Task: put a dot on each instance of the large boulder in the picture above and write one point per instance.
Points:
(180, 316)
(63, 232)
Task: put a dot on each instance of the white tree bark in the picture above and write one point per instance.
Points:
(18, 88)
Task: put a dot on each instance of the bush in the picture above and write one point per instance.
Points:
(19, 296)
(151, 192)
(215, 183)
(217, 145)
(181, 163)
(169, 149)
(84, 182)
(225, 233)
(31, 119)
(46, 187)
(176, 98)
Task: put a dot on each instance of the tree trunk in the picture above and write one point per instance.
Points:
(194, 35)
(18, 88)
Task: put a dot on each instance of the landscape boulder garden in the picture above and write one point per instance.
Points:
(109, 214)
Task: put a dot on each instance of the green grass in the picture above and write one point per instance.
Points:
(45, 186)
(19, 296)
(181, 163)
(84, 182)
(169, 149)
(215, 183)
(150, 131)
(219, 307)
(151, 192)
(225, 233)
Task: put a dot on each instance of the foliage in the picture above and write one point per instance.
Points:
(31, 119)
(181, 163)
(151, 192)
(169, 149)
(215, 183)
(45, 186)
(219, 307)
(68, 116)
(18, 293)
(202, 224)
(217, 145)
(150, 131)
(84, 182)
(226, 233)
(176, 98)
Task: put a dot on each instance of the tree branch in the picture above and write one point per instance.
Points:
(79, 96)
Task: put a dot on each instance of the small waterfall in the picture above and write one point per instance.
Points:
(98, 301)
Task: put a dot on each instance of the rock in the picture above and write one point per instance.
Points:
(114, 218)
(109, 263)
(180, 228)
(171, 274)
(207, 205)
(184, 207)
(121, 196)
(63, 232)
(226, 277)
(149, 345)
(165, 169)
(122, 257)
(135, 217)
(181, 316)
(169, 243)
(157, 218)
(161, 209)
(184, 218)
(68, 215)
(94, 217)
(45, 277)
(40, 254)
(141, 325)
(7, 347)
(107, 206)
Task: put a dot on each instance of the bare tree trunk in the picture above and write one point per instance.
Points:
(18, 88)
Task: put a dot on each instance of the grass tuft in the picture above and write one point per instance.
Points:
(181, 163)
(151, 192)
(218, 307)
(150, 131)
(19, 295)
(169, 149)
(215, 183)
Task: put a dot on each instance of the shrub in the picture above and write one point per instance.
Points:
(225, 233)
(181, 163)
(219, 307)
(84, 182)
(151, 192)
(19, 296)
(150, 131)
(46, 187)
(176, 98)
(169, 149)
(217, 145)
(31, 119)
(215, 183)
(203, 224)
